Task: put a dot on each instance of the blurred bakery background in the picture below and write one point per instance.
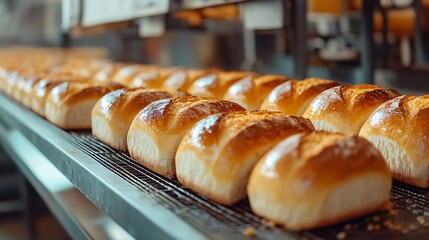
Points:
(351, 41)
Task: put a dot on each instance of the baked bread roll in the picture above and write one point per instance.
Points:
(69, 104)
(250, 92)
(106, 72)
(28, 90)
(11, 82)
(25, 87)
(113, 114)
(294, 96)
(399, 128)
(156, 131)
(344, 109)
(217, 156)
(41, 89)
(316, 179)
(182, 79)
(216, 84)
(152, 77)
(125, 74)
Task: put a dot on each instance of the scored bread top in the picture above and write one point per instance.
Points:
(152, 78)
(405, 120)
(70, 92)
(294, 96)
(345, 108)
(223, 141)
(249, 92)
(310, 157)
(169, 116)
(184, 78)
(125, 103)
(216, 84)
(325, 178)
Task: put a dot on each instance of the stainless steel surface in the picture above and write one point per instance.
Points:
(76, 213)
(137, 198)
(139, 214)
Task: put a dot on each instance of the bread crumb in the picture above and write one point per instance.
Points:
(373, 227)
(421, 220)
(268, 223)
(376, 218)
(249, 232)
(393, 212)
(392, 226)
(341, 235)
(413, 205)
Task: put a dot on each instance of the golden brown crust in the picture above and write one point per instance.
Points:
(41, 90)
(243, 131)
(134, 75)
(301, 166)
(156, 131)
(294, 96)
(174, 115)
(404, 120)
(323, 151)
(121, 106)
(250, 92)
(71, 92)
(345, 108)
(228, 145)
(145, 76)
(182, 79)
(216, 84)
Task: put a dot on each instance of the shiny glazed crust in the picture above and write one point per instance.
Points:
(344, 109)
(324, 178)
(216, 157)
(69, 104)
(113, 113)
(216, 84)
(156, 131)
(294, 96)
(250, 92)
(399, 128)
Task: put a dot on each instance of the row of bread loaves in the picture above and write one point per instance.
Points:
(227, 154)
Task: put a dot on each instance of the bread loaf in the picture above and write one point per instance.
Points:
(152, 77)
(316, 179)
(69, 104)
(250, 92)
(293, 97)
(156, 131)
(11, 82)
(25, 87)
(399, 128)
(344, 109)
(216, 157)
(216, 84)
(40, 92)
(113, 114)
(182, 79)
(124, 74)
(106, 72)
